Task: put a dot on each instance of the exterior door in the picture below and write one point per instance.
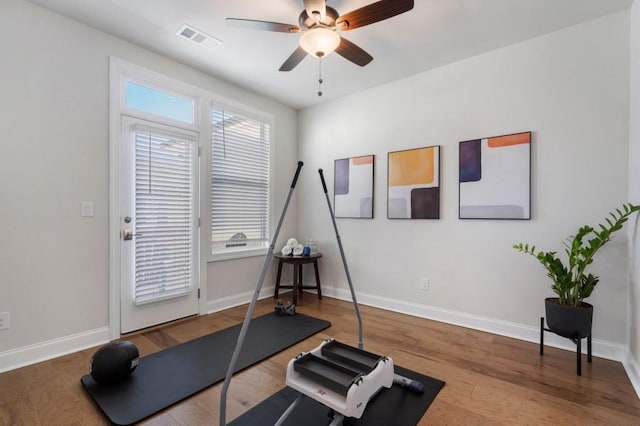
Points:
(159, 224)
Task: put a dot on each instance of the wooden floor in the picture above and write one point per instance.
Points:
(490, 380)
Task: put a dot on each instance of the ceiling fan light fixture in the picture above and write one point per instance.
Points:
(319, 42)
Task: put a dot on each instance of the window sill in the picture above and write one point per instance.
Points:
(230, 255)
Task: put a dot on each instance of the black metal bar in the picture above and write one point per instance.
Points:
(579, 357)
(278, 276)
(324, 185)
(541, 335)
(576, 341)
(315, 269)
(295, 177)
(296, 282)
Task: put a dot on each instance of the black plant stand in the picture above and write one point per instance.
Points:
(575, 339)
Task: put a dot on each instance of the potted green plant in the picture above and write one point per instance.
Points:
(568, 315)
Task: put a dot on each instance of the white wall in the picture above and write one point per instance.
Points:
(54, 121)
(634, 197)
(571, 89)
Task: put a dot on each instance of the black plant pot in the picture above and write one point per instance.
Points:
(573, 322)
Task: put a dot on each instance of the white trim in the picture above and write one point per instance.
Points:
(601, 348)
(237, 254)
(266, 118)
(27, 355)
(119, 72)
(237, 299)
(632, 367)
(31, 354)
(204, 230)
(115, 66)
(162, 83)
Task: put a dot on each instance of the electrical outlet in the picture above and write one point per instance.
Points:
(425, 284)
(4, 320)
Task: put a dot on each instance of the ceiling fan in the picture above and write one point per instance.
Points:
(318, 25)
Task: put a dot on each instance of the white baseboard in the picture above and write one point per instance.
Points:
(27, 355)
(600, 348)
(632, 367)
(32, 354)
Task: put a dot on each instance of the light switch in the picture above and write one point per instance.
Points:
(86, 209)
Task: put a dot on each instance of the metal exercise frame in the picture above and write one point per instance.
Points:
(400, 380)
(252, 305)
(337, 421)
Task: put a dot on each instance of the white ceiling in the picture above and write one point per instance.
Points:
(434, 33)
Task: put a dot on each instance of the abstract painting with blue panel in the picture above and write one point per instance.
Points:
(495, 177)
(353, 187)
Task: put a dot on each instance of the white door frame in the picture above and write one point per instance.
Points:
(120, 71)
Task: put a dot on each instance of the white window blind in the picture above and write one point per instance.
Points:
(239, 181)
(164, 223)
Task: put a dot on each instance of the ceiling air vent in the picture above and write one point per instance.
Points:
(198, 37)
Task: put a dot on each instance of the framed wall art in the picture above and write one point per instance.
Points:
(413, 183)
(495, 177)
(353, 187)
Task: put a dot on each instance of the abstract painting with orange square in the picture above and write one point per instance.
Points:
(413, 183)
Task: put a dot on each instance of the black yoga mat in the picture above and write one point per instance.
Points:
(396, 406)
(169, 376)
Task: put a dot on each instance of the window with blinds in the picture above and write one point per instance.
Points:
(239, 181)
(164, 221)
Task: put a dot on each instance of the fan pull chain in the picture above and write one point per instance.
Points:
(320, 76)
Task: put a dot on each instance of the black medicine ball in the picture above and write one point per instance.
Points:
(114, 362)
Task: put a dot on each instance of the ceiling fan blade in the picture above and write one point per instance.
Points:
(296, 57)
(353, 53)
(263, 25)
(373, 12)
(318, 6)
